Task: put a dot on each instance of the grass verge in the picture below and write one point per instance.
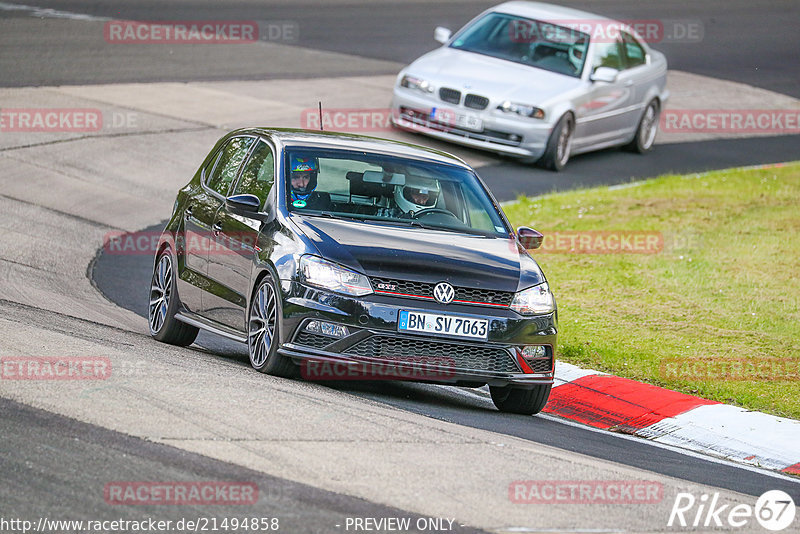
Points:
(709, 306)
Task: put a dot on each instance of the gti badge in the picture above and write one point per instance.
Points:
(444, 293)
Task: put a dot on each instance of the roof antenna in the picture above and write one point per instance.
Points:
(320, 117)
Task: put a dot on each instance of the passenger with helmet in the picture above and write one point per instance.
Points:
(416, 195)
(303, 182)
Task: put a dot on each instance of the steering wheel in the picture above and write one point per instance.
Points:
(430, 211)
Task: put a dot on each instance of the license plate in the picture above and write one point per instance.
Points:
(434, 323)
(468, 121)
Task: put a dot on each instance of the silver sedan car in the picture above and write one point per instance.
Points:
(537, 81)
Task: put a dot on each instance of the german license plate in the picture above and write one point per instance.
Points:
(434, 323)
(468, 121)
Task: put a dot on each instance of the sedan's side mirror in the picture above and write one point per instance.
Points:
(604, 74)
(243, 203)
(441, 34)
(529, 238)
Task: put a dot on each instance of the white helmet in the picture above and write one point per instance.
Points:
(417, 194)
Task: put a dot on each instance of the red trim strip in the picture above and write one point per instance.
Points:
(606, 401)
(383, 292)
(792, 469)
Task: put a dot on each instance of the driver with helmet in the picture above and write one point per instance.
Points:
(416, 195)
(303, 182)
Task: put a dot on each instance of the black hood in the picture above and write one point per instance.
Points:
(419, 254)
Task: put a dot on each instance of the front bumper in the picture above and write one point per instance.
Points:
(507, 134)
(374, 349)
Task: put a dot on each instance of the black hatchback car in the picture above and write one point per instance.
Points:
(343, 256)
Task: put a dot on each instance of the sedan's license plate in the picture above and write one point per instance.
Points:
(434, 323)
(461, 120)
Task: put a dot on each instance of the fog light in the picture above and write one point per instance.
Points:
(514, 137)
(326, 329)
(532, 351)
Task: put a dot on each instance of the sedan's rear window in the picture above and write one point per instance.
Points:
(388, 189)
(526, 41)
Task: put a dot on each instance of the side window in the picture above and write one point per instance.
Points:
(258, 175)
(633, 50)
(228, 163)
(607, 55)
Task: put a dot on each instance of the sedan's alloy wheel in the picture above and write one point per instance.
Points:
(647, 133)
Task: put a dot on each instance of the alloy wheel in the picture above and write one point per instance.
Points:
(160, 293)
(261, 328)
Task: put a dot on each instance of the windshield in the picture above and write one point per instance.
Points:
(530, 42)
(389, 190)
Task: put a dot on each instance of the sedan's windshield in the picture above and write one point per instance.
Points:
(389, 190)
(530, 42)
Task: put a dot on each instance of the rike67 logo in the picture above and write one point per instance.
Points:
(774, 510)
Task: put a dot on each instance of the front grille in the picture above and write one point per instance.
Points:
(453, 355)
(425, 290)
(476, 101)
(484, 296)
(307, 339)
(498, 137)
(450, 95)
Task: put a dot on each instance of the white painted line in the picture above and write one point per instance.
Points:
(734, 433)
(661, 445)
(673, 448)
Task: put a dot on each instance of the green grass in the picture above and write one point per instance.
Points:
(725, 286)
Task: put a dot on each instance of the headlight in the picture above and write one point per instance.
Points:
(322, 273)
(521, 109)
(410, 82)
(534, 301)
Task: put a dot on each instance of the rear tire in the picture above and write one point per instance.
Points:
(164, 304)
(525, 401)
(263, 331)
(646, 132)
(556, 155)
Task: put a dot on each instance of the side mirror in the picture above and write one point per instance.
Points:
(604, 74)
(441, 34)
(245, 204)
(529, 238)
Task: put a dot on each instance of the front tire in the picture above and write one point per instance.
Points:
(556, 155)
(645, 136)
(164, 304)
(525, 401)
(263, 328)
